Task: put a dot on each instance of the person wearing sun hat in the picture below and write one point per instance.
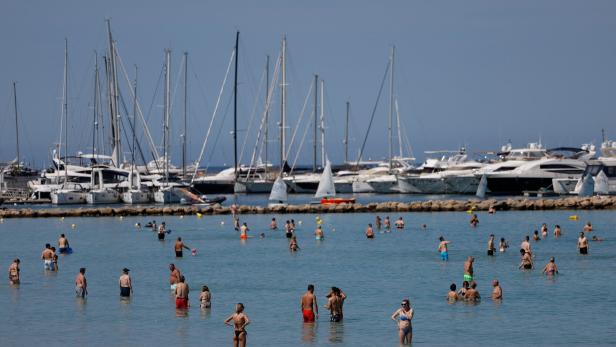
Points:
(126, 285)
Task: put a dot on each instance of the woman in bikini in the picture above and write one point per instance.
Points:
(403, 317)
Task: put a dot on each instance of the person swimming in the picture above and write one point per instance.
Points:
(462, 291)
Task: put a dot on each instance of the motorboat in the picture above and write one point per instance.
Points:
(599, 177)
(104, 185)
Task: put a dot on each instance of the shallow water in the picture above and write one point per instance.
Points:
(577, 306)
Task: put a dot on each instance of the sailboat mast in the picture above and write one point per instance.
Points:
(346, 133)
(322, 125)
(316, 109)
(283, 103)
(16, 123)
(113, 100)
(399, 128)
(237, 41)
(65, 106)
(267, 63)
(391, 106)
(132, 166)
(184, 140)
(166, 115)
(94, 122)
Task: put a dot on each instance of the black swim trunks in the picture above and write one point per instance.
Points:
(178, 254)
(161, 236)
(490, 252)
(584, 250)
(335, 318)
(125, 291)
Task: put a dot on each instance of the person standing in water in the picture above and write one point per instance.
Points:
(63, 244)
(179, 248)
(244, 231)
(14, 272)
(468, 269)
(309, 306)
(525, 245)
(582, 243)
(544, 230)
(527, 260)
(491, 247)
(452, 296)
(205, 298)
(377, 222)
(387, 224)
(442, 248)
(274, 224)
(174, 276)
(288, 230)
(503, 245)
(557, 231)
(318, 233)
(536, 236)
(240, 321)
(550, 268)
(125, 283)
(47, 256)
(472, 294)
(335, 301)
(474, 221)
(497, 291)
(369, 231)
(181, 294)
(81, 284)
(403, 317)
(162, 230)
(293, 246)
(400, 223)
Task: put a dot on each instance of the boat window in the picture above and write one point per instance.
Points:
(610, 171)
(505, 168)
(556, 166)
(593, 170)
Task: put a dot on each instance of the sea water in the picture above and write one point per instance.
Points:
(577, 306)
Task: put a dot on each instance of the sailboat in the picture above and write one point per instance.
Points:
(278, 195)
(326, 191)
(66, 195)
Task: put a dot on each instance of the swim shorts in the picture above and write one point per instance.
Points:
(48, 264)
(308, 316)
(179, 254)
(584, 250)
(490, 252)
(444, 256)
(80, 292)
(181, 302)
(161, 236)
(468, 278)
(124, 291)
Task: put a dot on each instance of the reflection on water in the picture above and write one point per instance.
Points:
(336, 332)
(181, 312)
(309, 332)
(206, 312)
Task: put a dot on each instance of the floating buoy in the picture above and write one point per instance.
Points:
(182, 216)
(299, 222)
(469, 211)
(333, 229)
(199, 215)
(574, 217)
(222, 222)
(193, 252)
(137, 225)
(62, 219)
(121, 217)
(1, 220)
(73, 226)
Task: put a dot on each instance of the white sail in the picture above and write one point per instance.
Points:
(601, 184)
(483, 186)
(326, 183)
(279, 191)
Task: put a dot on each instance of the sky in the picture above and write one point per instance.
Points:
(474, 73)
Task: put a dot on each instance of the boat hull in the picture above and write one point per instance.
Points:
(336, 201)
(136, 197)
(253, 187)
(213, 187)
(68, 198)
(517, 185)
(167, 196)
(105, 196)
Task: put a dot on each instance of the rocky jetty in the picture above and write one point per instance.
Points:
(514, 204)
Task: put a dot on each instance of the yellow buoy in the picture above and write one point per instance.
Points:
(574, 217)
(199, 215)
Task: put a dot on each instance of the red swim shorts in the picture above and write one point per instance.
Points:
(181, 303)
(308, 316)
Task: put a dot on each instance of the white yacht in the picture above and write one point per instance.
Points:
(387, 182)
(598, 178)
(104, 185)
(132, 190)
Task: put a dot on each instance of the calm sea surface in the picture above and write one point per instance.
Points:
(576, 307)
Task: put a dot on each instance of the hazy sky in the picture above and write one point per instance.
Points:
(473, 73)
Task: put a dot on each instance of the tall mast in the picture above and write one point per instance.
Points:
(65, 107)
(322, 126)
(316, 109)
(94, 118)
(113, 101)
(166, 115)
(16, 123)
(398, 126)
(184, 140)
(346, 133)
(132, 166)
(267, 63)
(237, 41)
(283, 104)
(391, 105)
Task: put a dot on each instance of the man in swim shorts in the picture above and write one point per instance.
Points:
(318, 233)
(491, 247)
(468, 269)
(174, 276)
(14, 272)
(472, 294)
(582, 243)
(309, 306)
(244, 231)
(442, 248)
(63, 244)
(47, 257)
(525, 245)
(497, 291)
(527, 261)
(162, 230)
(126, 285)
(179, 247)
(369, 231)
(181, 294)
(81, 284)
